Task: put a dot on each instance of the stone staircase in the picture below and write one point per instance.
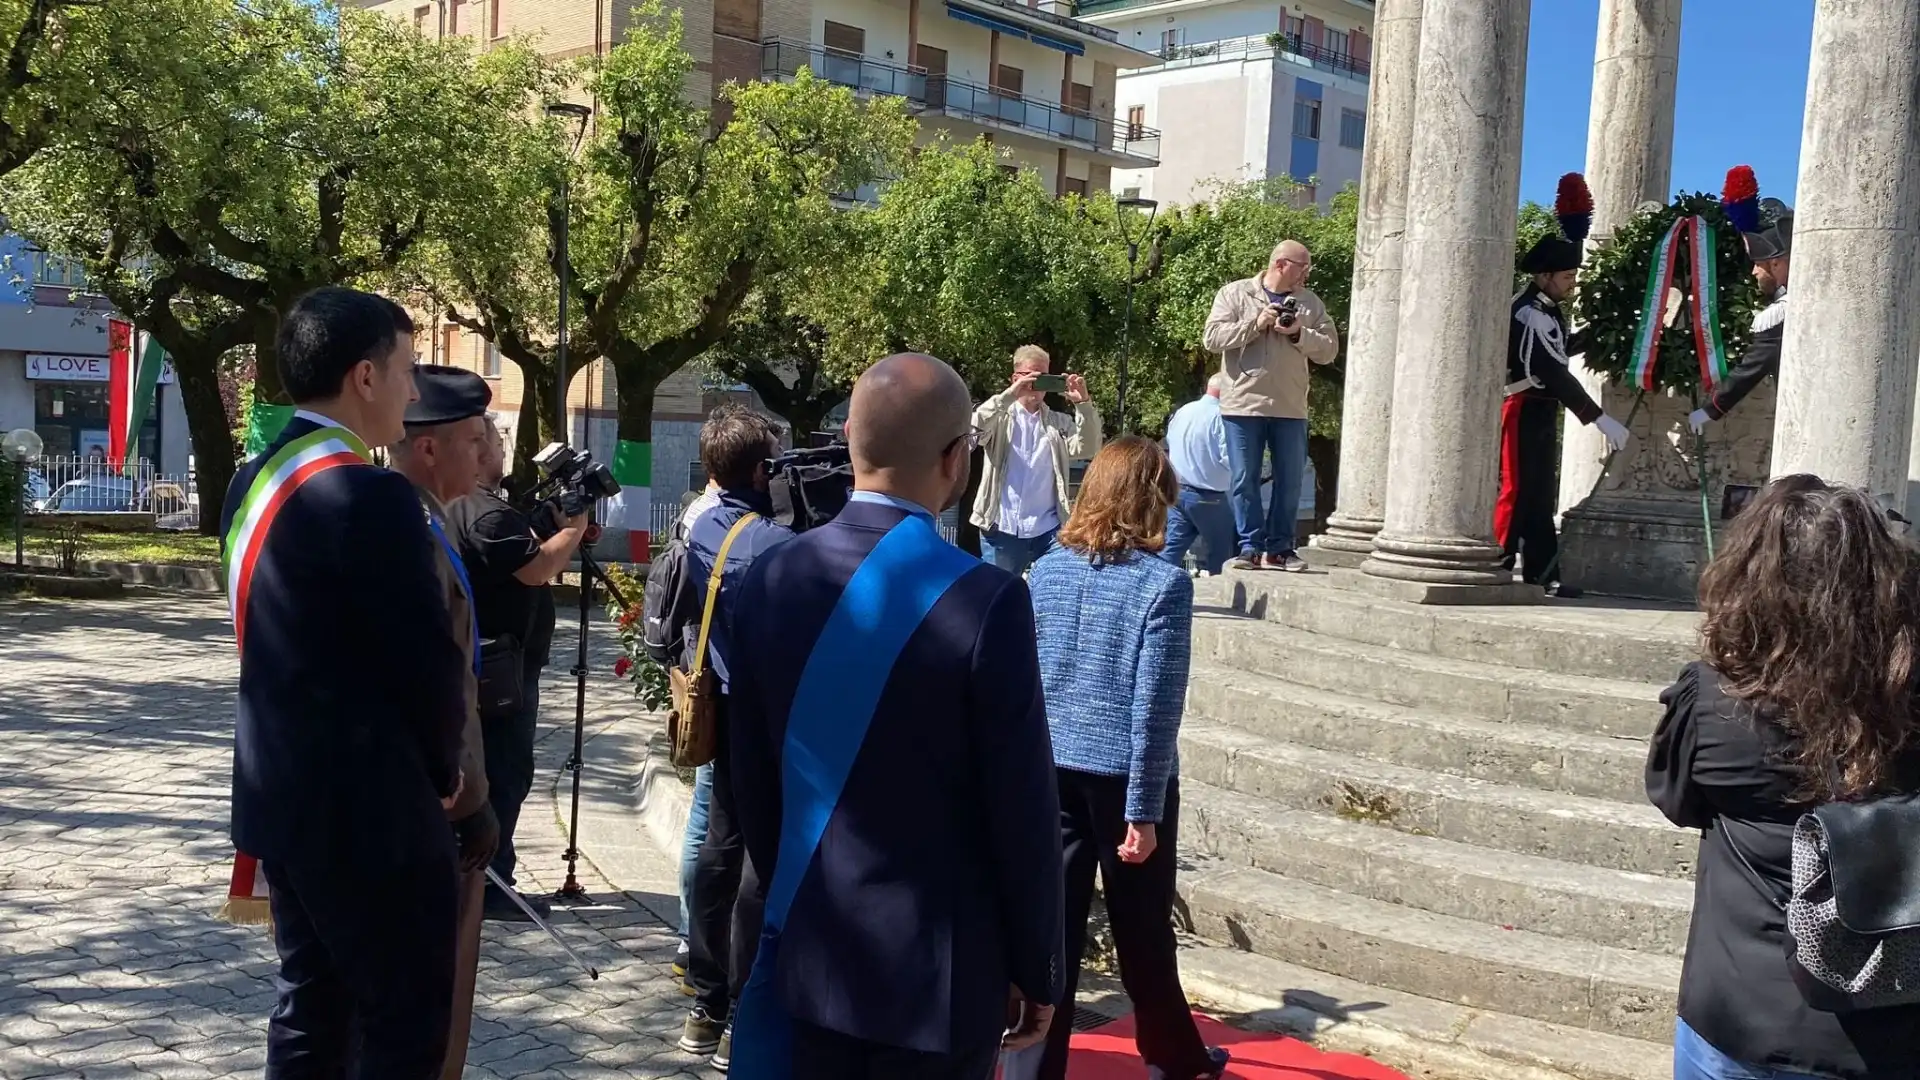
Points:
(1421, 830)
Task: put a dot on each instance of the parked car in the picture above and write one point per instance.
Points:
(94, 495)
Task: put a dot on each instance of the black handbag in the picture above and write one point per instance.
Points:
(503, 673)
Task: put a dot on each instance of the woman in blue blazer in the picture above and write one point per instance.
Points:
(1115, 626)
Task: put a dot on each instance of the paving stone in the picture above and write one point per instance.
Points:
(114, 814)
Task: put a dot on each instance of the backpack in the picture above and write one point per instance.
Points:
(668, 604)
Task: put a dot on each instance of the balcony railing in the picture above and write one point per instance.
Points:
(782, 58)
(1259, 48)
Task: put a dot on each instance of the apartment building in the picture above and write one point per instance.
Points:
(1027, 77)
(1243, 90)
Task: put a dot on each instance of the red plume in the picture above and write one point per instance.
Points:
(1741, 185)
(1574, 207)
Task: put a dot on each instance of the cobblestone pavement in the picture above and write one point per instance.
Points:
(115, 754)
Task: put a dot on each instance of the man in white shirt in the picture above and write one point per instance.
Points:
(1197, 446)
(1023, 479)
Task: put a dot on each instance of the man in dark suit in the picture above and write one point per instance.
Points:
(351, 707)
(921, 922)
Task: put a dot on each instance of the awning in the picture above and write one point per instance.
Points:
(1012, 29)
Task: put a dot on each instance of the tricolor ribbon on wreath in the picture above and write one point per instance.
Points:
(1697, 237)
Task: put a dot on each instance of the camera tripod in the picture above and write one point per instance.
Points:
(590, 572)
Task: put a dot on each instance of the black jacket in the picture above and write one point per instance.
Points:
(1538, 344)
(1717, 766)
(352, 689)
(1762, 359)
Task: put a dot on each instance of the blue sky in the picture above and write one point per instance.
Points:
(1729, 51)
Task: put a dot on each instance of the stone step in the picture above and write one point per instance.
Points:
(1610, 638)
(1425, 1038)
(1519, 754)
(1423, 681)
(1573, 983)
(1570, 828)
(1586, 903)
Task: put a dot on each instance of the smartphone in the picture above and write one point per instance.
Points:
(1050, 384)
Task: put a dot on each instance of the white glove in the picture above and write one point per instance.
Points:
(1698, 420)
(1615, 432)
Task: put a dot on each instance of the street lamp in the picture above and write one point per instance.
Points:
(1130, 202)
(576, 116)
(21, 447)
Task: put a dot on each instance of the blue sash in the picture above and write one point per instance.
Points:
(907, 572)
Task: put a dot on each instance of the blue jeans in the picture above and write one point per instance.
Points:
(1249, 440)
(1203, 515)
(1014, 553)
(696, 836)
(1694, 1058)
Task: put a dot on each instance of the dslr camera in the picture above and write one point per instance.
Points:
(810, 485)
(1287, 313)
(570, 483)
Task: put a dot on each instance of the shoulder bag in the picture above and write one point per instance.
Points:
(690, 722)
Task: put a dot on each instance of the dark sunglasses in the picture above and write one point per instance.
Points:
(971, 437)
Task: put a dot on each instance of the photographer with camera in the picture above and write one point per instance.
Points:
(511, 563)
(1267, 329)
(1026, 447)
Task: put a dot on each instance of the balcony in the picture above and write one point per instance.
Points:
(1272, 46)
(1117, 143)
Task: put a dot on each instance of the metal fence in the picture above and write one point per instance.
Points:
(91, 486)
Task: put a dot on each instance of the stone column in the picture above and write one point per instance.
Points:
(1636, 62)
(1464, 190)
(1847, 380)
(1368, 401)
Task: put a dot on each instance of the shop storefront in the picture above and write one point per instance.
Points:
(70, 406)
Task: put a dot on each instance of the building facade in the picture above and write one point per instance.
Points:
(1243, 90)
(53, 365)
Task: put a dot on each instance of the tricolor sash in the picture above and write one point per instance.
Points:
(1697, 237)
(907, 572)
(300, 460)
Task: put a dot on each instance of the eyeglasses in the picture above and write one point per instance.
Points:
(971, 437)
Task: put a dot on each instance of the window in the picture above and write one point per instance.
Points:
(494, 25)
(1079, 99)
(454, 10)
(420, 17)
(1353, 128)
(841, 38)
(1339, 43)
(1294, 26)
(1169, 41)
(1009, 81)
(449, 337)
(1130, 193)
(490, 360)
(1011, 171)
(1306, 118)
(1073, 185)
(1136, 122)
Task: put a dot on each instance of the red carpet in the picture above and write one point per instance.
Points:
(1107, 1053)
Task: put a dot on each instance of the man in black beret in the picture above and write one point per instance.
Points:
(1771, 250)
(441, 453)
(1538, 386)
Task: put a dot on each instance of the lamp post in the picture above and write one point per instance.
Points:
(21, 448)
(576, 115)
(1132, 202)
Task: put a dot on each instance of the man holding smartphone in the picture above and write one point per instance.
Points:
(1026, 447)
(1267, 329)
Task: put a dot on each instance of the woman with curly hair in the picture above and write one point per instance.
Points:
(1810, 643)
(1115, 623)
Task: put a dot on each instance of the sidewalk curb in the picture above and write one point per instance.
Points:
(662, 799)
(160, 575)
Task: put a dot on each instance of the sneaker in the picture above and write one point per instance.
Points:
(1291, 563)
(680, 959)
(723, 1057)
(1220, 1057)
(701, 1036)
(1248, 561)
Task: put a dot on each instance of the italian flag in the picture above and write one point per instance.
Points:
(134, 360)
(633, 468)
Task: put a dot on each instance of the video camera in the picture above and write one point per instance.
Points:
(811, 485)
(570, 482)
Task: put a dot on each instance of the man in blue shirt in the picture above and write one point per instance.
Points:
(724, 915)
(1197, 446)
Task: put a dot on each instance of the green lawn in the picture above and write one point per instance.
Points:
(178, 548)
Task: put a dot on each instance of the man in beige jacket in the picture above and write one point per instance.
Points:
(1267, 329)
(1023, 482)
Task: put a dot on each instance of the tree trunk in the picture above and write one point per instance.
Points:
(537, 421)
(267, 386)
(210, 430)
(636, 387)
